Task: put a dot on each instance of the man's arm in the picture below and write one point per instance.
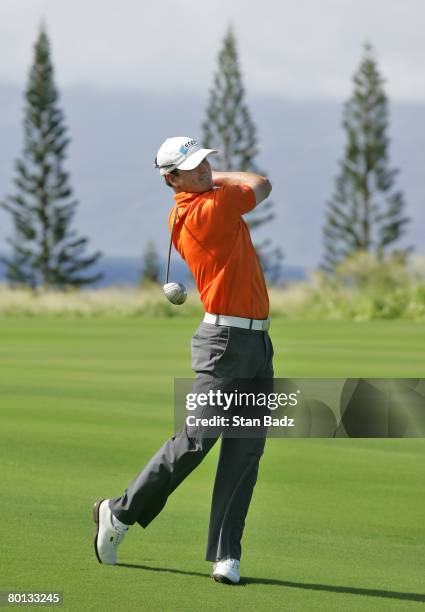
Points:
(259, 184)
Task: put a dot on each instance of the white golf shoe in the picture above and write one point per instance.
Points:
(110, 533)
(226, 570)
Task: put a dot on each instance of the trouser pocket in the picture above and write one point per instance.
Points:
(209, 345)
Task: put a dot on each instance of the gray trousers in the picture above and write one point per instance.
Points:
(218, 354)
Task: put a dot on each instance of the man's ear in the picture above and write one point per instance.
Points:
(170, 178)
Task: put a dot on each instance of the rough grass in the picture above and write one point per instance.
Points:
(314, 300)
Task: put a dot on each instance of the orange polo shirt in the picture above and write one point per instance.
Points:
(214, 240)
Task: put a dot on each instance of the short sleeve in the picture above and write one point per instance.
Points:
(239, 199)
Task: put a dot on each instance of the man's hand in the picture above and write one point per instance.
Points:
(259, 184)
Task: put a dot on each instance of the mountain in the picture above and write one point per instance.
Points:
(126, 271)
(124, 203)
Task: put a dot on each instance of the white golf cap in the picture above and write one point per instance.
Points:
(180, 152)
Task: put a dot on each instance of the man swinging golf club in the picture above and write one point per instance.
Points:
(232, 342)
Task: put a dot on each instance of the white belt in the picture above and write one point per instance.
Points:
(257, 324)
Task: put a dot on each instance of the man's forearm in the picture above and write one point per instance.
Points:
(221, 179)
(259, 184)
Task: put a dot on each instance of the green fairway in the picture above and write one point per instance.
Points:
(333, 525)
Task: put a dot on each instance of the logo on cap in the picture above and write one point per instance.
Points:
(184, 149)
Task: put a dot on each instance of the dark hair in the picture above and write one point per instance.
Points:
(175, 172)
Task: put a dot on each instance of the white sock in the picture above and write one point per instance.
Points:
(118, 524)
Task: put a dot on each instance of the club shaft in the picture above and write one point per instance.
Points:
(171, 244)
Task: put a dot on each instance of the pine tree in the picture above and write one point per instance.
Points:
(151, 266)
(45, 250)
(366, 212)
(229, 128)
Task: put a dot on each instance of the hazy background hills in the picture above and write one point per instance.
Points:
(123, 202)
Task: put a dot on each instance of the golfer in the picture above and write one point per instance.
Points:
(231, 343)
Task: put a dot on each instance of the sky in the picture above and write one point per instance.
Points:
(293, 48)
(132, 72)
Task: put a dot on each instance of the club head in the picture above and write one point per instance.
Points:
(176, 293)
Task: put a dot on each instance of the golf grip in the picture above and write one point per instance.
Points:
(171, 244)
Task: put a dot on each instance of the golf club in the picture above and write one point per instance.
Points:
(176, 293)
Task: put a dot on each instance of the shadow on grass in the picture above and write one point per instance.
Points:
(170, 570)
(294, 585)
(339, 589)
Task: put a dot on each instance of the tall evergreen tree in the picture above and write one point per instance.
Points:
(366, 212)
(151, 266)
(229, 128)
(45, 250)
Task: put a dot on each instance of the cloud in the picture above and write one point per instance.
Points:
(295, 49)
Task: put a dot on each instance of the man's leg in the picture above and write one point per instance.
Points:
(147, 494)
(235, 479)
(237, 468)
